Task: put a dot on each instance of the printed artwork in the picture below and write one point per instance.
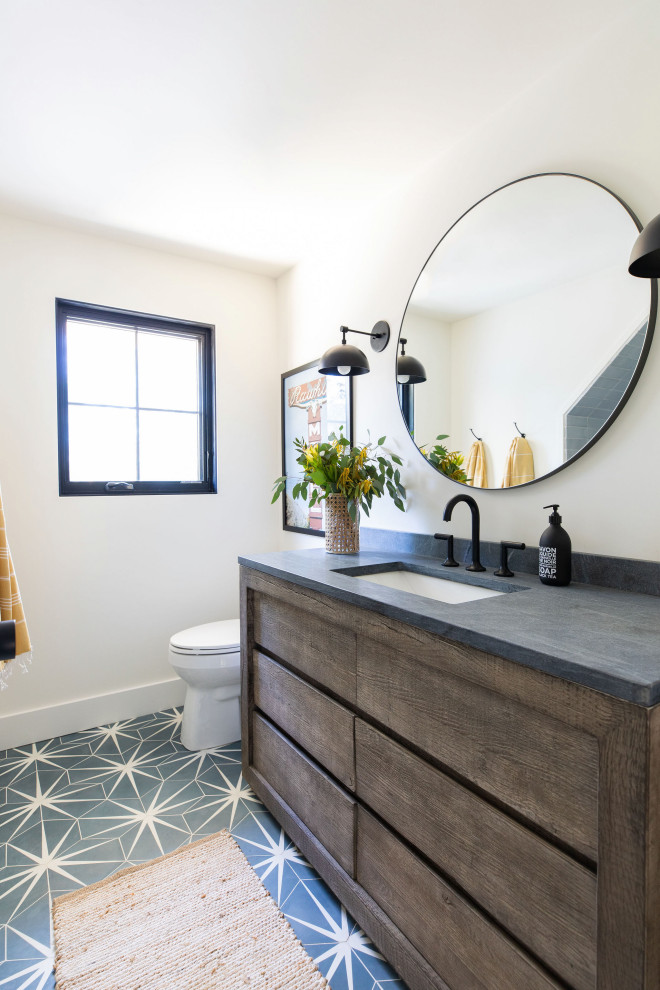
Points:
(313, 407)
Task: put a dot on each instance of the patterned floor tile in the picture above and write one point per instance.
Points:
(78, 808)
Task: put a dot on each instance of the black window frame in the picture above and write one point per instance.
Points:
(66, 309)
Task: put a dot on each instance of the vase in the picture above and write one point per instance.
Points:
(342, 535)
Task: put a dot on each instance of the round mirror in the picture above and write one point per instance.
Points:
(524, 334)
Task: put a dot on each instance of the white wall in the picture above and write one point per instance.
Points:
(528, 361)
(106, 581)
(595, 116)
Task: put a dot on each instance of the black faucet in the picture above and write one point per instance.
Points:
(474, 509)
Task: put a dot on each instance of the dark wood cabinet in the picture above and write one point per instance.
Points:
(491, 827)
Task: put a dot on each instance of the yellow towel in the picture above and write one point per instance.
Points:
(475, 467)
(11, 606)
(519, 467)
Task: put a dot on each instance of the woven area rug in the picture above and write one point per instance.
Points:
(197, 919)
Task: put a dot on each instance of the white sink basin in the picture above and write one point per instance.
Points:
(428, 586)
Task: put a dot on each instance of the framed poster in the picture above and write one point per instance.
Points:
(313, 407)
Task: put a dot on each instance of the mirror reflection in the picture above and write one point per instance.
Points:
(528, 330)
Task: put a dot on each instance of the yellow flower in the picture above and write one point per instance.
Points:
(366, 485)
(343, 478)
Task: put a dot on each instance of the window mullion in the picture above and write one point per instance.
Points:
(137, 410)
(201, 440)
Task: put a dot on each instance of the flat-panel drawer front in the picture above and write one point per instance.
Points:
(537, 765)
(464, 948)
(323, 806)
(307, 641)
(324, 728)
(539, 894)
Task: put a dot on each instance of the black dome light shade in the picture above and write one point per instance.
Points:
(344, 359)
(409, 371)
(645, 255)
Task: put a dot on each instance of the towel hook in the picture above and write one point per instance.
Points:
(475, 435)
(518, 428)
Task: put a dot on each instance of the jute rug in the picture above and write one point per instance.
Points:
(197, 919)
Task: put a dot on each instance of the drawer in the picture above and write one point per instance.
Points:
(542, 768)
(320, 725)
(322, 650)
(321, 805)
(539, 894)
(462, 946)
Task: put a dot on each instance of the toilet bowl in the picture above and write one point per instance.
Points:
(208, 659)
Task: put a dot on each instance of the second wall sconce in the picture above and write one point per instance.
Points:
(409, 371)
(645, 256)
(344, 359)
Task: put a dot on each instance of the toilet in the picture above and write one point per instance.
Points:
(208, 659)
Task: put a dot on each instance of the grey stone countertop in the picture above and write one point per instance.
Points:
(606, 639)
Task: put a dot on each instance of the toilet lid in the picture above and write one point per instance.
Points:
(212, 637)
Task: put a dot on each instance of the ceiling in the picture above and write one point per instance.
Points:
(244, 130)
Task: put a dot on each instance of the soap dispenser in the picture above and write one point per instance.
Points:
(555, 552)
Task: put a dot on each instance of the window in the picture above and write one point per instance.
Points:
(135, 402)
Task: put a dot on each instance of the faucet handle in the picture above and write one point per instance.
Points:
(449, 561)
(503, 570)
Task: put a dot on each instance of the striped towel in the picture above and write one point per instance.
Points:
(11, 606)
(476, 465)
(519, 467)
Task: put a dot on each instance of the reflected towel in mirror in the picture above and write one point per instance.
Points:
(519, 467)
(475, 466)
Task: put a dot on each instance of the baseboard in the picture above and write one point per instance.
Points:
(23, 728)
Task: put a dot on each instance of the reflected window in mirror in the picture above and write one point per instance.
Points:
(407, 405)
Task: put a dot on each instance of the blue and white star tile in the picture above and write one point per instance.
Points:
(28, 964)
(76, 809)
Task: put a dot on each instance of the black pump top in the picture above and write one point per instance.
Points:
(555, 518)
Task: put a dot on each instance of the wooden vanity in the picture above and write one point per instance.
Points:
(490, 826)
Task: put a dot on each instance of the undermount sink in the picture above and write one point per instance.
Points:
(448, 589)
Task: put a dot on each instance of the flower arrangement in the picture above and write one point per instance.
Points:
(359, 473)
(449, 462)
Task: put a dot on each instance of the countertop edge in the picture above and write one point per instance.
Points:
(637, 692)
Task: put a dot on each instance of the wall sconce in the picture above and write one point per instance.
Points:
(409, 371)
(344, 359)
(645, 256)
